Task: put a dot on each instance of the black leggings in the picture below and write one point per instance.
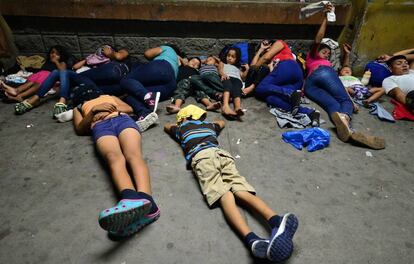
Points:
(234, 86)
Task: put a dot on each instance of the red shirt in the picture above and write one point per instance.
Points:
(284, 54)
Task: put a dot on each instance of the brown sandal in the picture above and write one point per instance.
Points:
(342, 128)
(368, 141)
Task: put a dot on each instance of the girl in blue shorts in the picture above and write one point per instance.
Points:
(118, 140)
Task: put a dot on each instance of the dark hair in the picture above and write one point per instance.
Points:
(394, 58)
(238, 56)
(64, 55)
(323, 46)
(177, 50)
(84, 92)
(197, 58)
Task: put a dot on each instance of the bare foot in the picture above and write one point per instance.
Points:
(10, 90)
(213, 106)
(227, 111)
(248, 90)
(16, 98)
(172, 109)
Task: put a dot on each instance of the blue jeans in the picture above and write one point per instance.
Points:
(54, 76)
(325, 88)
(277, 87)
(155, 76)
(109, 73)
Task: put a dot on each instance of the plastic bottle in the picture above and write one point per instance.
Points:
(366, 77)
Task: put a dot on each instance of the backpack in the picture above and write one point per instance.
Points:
(247, 51)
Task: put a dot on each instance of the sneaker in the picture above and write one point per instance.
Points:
(59, 108)
(145, 122)
(368, 141)
(259, 248)
(295, 98)
(151, 100)
(136, 226)
(315, 118)
(126, 212)
(342, 126)
(281, 244)
(65, 116)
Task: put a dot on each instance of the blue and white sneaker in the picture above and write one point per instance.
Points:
(126, 212)
(281, 245)
(259, 248)
(136, 226)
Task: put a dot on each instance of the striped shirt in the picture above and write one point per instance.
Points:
(206, 69)
(195, 135)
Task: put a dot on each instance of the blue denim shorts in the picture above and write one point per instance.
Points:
(113, 126)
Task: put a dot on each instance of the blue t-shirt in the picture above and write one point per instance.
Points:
(168, 54)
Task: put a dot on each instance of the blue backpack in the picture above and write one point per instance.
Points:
(247, 51)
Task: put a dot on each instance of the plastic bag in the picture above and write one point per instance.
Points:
(313, 138)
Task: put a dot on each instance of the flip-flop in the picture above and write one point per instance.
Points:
(22, 107)
(126, 212)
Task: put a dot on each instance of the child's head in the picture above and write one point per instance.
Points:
(233, 56)
(210, 60)
(83, 93)
(57, 52)
(345, 71)
(324, 51)
(194, 62)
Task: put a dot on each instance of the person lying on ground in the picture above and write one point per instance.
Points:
(222, 185)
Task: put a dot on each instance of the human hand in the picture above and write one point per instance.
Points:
(107, 51)
(104, 107)
(328, 8)
(54, 59)
(100, 116)
(347, 48)
(246, 67)
(264, 45)
(225, 77)
(383, 57)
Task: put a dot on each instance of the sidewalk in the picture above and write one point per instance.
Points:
(352, 208)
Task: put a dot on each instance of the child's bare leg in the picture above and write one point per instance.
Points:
(249, 89)
(237, 106)
(174, 108)
(226, 107)
(210, 106)
(110, 149)
(26, 86)
(232, 214)
(34, 100)
(376, 92)
(130, 141)
(255, 203)
(62, 100)
(29, 91)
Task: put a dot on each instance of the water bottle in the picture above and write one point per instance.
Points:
(366, 77)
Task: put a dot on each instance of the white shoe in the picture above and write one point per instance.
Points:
(65, 116)
(148, 121)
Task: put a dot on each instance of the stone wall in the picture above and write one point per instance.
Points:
(84, 36)
(81, 46)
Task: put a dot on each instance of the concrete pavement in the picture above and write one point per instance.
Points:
(352, 208)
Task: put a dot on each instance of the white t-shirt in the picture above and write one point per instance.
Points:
(232, 71)
(349, 81)
(404, 82)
